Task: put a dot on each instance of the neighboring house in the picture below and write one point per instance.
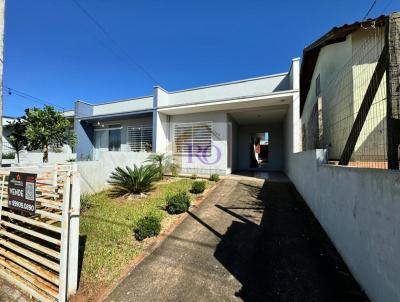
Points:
(336, 71)
(209, 129)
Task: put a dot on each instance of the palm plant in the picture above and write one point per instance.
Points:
(130, 181)
(163, 162)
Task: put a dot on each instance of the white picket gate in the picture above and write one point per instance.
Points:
(39, 253)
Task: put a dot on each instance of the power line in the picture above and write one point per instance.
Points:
(24, 95)
(114, 42)
(386, 7)
(369, 10)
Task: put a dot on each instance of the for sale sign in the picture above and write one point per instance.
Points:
(22, 192)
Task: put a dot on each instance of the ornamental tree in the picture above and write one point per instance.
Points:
(47, 127)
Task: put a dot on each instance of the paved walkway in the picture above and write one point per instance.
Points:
(250, 241)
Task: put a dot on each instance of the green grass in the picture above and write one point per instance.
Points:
(108, 227)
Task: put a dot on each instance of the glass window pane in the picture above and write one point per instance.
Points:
(114, 142)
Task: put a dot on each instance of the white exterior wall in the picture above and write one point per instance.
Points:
(160, 132)
(92, 181)
(358, 208)
(124, 106)
(220, 131)
(257, 86)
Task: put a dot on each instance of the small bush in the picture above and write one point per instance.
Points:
(8, 155)
(198, 187)
(86, 202)
(178, 203)
(148, 226)
(174, 171)
(214, 177)
(194, 176)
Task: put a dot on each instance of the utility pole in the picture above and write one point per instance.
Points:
(2, 9)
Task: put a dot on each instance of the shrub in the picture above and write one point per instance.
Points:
(214, 177)
(86, 202)
(174, 171)
(148, 226)
(8, 155)
(198, 187)
(178, 203)
(133, 181)
(194, 176)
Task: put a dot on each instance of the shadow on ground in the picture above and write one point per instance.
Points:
(286, 256)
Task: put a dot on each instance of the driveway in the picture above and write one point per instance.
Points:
(250, 240)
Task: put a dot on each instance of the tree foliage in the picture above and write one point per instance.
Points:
(17, 138)
(47, 127)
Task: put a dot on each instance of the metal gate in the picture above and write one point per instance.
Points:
(39, 253)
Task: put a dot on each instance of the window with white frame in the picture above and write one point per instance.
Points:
(192, 138)
(140, 138)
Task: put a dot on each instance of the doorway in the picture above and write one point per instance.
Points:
(259, 150)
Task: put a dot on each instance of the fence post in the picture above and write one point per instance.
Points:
(74, 232)
(64, 239)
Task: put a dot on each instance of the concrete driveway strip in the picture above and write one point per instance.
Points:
(248, 241)
(184, 267)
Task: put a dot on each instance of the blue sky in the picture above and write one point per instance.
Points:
(55, 53)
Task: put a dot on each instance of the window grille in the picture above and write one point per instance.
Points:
(140, 138)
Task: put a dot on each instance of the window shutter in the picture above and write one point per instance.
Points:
(193, 137)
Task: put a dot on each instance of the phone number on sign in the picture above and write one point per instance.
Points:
(22, 205)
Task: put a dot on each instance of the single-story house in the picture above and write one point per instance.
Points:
(212, 129)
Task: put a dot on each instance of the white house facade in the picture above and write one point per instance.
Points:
(213, 129)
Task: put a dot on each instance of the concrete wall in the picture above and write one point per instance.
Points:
(218, 162)
(276, 145)
(95, 174)
(30, 158)
(359, 209)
